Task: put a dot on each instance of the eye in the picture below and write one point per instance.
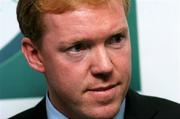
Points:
(74, 51)
(115, 40)
(78, 47)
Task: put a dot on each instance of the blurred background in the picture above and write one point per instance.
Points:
(155, 37)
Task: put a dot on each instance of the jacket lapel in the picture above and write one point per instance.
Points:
(40, 110)
(138, 107)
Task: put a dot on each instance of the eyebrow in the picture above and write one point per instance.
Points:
(83, 39)
(73, 42)
(121, 30)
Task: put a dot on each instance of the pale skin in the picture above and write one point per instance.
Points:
(86, 58)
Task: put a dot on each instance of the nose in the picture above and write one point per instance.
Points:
(102, 65)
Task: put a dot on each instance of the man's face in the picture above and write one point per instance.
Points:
(86, 58)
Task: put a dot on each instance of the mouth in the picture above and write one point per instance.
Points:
(104, 93)
(102, 88)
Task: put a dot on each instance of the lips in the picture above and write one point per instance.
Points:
(103, 94)
(102, 88)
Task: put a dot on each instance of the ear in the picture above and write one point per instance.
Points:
(32, 55)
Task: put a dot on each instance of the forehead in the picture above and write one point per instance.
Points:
(60, 6)
(85, 19)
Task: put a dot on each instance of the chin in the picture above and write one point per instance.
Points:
(104, 112)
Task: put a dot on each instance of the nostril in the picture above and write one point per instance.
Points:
(103, 75)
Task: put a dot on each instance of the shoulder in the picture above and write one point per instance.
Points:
(28, 114)
(160, 108)
(152, 101)
(37, 112)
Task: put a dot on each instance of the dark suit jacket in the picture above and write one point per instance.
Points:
(137, 107)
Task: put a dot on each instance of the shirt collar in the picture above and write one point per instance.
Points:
(53, 113)
(120, 114)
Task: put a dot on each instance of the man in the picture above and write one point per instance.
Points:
(83, 49)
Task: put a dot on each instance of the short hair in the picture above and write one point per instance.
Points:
(30, 13)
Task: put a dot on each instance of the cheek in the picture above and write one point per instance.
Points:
(62, 74)
(68, 82)
(65, 84)
(122, 59)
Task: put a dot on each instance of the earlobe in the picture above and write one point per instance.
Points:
(32, 55)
